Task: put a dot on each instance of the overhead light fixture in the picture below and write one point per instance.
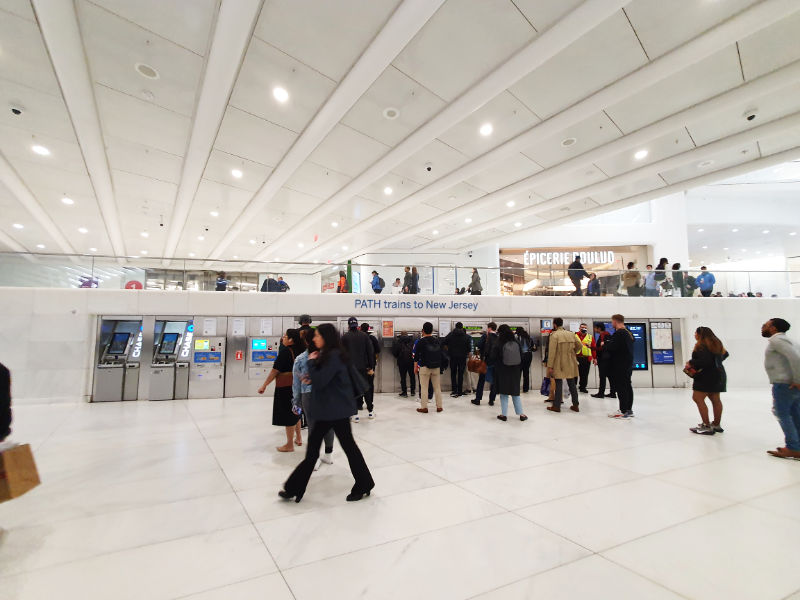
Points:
(793, 233)
(214, 213)
(83, 230)
(344, 247)
(334, 224)
(510, 204)
(142, 251)
(765, 231)
(277, 259)
(18, 226)
(468, 220)
(705, 164)
(567, 142)
(252, 241)
(387, 191)
(191, 254)
(40, 150)
(701, 230)
(435, 232)
(68, 201)
(146, 71)
(725, 248)
(641, 155)
(280, 94)
(144, 234)
(237, 173)
(734, 230)
(705, 247)
(40, 246)
(92, 249)
(391, 113)
(200, 238)
(517, 224)
(486, 129)
(235, 256)
(300, 245)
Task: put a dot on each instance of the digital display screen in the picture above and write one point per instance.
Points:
(208, 357)
(258, 344)
(663, 357)
(639, 331)
(168, 343)
(201, 344)
(119, 343)
(264, 355)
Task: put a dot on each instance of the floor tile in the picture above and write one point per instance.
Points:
(269, 587)
(785, 502)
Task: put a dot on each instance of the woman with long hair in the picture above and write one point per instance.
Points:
(527, 345)
(507, 371)
(283, 414)
(710, 379)
(414, 280)
(678, 281)
(333, 402)
(476, 289)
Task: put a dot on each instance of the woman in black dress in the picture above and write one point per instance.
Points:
(710, 379)
(282, 414)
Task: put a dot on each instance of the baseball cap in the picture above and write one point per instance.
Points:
(352, 322)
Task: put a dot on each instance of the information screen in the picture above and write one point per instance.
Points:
(661, 335)
(201, 344)
(258, 344)
(264, 355)
(663, 357)
(208, 357)
(119, 343)
(639, 331)
(168, 343)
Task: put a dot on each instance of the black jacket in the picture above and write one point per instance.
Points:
(711, 376)
(403, 350)
(332, 396)
(576, 271)
(458, 344)
(376, 346)
(620, 347)
(429, 352)
(5, 402)
(485, 347)
(359, 349)
(407, 283)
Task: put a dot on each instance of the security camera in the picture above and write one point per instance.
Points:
(205, 229)
(750, 115)
(160, 224)
(428, 167)
(17, 109)
(469, 253)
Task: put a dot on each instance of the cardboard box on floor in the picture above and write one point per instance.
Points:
(18, 473)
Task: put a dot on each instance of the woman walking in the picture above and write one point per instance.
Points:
(332, 404)
(507, 371)
(283, 414)
(475, 287)
(301, 394)
(710, 379)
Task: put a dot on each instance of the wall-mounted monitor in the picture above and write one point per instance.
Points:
(118, 344)
(168, 343)
(663, 357)
(258, 344)
(639, 331)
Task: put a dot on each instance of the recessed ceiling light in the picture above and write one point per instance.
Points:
(68, 201)
(793, 233)
(191, 254)
(391, 113)
(18, 226)
(705, 164)
(144, 234)
(701, 230)
(200, 238)
(705, 247)
(214, 213)
(300, 245)
(83, 230)
(280, 94)
(517, 224)
(334, 224)
(277, 259)
(734, 230)
(252, 241)
(146, 71)
(765, 231)
(237, 173)
(40, 246)
(148, 95)
(758, 251)
(92, 249)
(510, 203)
(435, 232)
(387, 191)
(142, 251)
(344, 247)
(468, 220)
(725, 248)
(641, 154)
(486, 129)
(235, 256)
(567, 142)
(40, 150)
(744, 249)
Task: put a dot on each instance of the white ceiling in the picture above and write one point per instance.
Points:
(611, 77)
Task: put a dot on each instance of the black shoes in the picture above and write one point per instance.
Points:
(582, 391)
(476, 402)
(611, 396)
(356, 496)
(403, 395)
(502, 417)
(491, 402)
(288, 496)
(598, 396)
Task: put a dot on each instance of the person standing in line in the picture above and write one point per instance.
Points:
(476, 289)
(5, 402)
(705, 281)
(407, 281)
(782, 363)
(603, 362)
(508, 369)
(282, 414)
(458, 347)
(620, 347)
(222, 282)
(528, 348)
(301, 393)
(484, 348)
(361, 354)
(403, 351)
(414, 280)
(332, 404)
(586, 356)
(577, 274)
(376, 349)
(650, 283)
(710, 379)
(562, 363)
(631, 280)
(377, 283)
(341, 287)
(429, 363)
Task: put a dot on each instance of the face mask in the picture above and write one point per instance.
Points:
(583, 330)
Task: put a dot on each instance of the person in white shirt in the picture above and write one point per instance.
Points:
(397, 287)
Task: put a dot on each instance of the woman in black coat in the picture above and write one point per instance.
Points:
(508, 374)
(5, 402)
(282, 414)
(333, 402)
(710, 379)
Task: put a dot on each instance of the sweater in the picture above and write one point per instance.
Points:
(782, 360)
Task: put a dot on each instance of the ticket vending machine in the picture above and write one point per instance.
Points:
(207, 364)
(169, 368)
(253, 344)
(116, 374)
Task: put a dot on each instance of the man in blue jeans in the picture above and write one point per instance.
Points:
(782, 363)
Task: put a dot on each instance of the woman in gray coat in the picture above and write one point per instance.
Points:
(475, 287)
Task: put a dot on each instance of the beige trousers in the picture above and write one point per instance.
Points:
(432, 375)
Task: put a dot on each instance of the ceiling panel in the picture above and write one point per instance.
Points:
(787, 140)
(142, 122)
(16, 144)
(24, 59)
(507, 116)
(463, 42)
(726, 158)
(393, 89)
(511, 170)
(245, 135)
(660, 148)
(573, 208)
(573, 180)
(442, 159)
(135, 193)
(706, 78)
(770, 48)
(347, 151)
(42, 114)
(50, 184)
(114, 46)
(588, 134)
(388, 228)
(640, 186)
(662, 26)
(543, 14)
(131, 157)
(265, 68)
(170, 19)
(401, 187)
(326, 36)
(603, 55)
(456, 196)
(20, 8)
(316, 180)
(220, 165)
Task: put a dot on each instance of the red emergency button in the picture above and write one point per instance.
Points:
(239, 355)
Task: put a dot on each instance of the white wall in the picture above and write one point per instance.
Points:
(47, 336)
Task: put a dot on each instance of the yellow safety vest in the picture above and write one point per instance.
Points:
(587, 344)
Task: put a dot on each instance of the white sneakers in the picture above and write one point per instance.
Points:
(372, 414)
(327, 458)
(355, 419)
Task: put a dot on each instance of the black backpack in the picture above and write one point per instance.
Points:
(381, 283)
(433, 353)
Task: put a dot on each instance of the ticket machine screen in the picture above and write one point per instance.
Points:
(119, 343)
(168, 343)
(259, 344)
(201, 344)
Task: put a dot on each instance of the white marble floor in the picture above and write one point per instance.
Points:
(166, 500)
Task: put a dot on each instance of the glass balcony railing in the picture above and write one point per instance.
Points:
(154, 273)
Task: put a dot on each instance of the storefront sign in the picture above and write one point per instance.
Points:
(603, 257)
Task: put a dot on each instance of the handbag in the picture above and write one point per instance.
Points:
(690, 371)
(545, 389)
(476, 365)
(284, 380)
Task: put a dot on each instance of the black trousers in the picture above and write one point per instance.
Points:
(479, 391)
(458, 366)
(622, 381)
(584, 365)
(407, 370)
(370, 395)
(573, 391)
(578, 291)
(527, 359)
(706, 293)
(298, 480)
(604, 372)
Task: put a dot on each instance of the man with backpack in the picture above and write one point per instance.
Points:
(377, 283)
(484, 348)
(429, 365)
(361, 352)
(458, 345)
(403, 351)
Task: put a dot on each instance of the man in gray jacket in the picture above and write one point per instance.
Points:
(782, 362)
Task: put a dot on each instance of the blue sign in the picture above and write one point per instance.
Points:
(264, 355)
(663, 357)
(207, 357)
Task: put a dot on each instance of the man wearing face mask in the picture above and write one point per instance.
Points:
(782, 363)
(586, 355)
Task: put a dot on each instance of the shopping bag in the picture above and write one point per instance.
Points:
(545, 389)
(18, 473)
